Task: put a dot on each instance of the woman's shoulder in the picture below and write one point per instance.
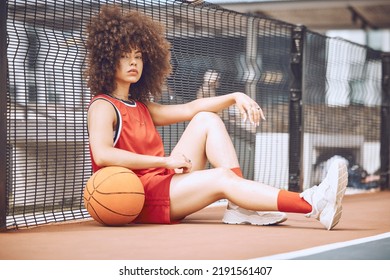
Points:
(100, 102)
(101, 96)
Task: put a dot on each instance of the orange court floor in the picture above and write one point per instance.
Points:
(201, 236)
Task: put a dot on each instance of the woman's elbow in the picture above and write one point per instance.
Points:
(100, 158)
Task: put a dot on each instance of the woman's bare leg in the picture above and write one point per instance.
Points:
(206, 138)
(193, 191)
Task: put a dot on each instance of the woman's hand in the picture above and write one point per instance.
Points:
(179, 162)
(248, 108)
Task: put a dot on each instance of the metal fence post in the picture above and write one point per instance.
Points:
(295, 110)
(3, 114)
(385, 123)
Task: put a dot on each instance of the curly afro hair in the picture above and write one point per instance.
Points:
(113, 32)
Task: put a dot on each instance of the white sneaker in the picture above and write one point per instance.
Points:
(237, 215)
(326, 198)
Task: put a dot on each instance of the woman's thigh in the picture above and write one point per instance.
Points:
(206, 138)
(192, 143)
(193, 191)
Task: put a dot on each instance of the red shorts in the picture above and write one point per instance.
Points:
(156, 208)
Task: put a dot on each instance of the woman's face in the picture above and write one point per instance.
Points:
(130, 67)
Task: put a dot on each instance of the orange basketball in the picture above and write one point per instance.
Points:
(114, 196)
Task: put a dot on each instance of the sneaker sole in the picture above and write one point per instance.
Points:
(232, 217)
(337, 210)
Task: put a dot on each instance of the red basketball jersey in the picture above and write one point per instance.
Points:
(135, 132)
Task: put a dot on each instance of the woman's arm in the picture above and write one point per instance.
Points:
(169, 114)
(101, 123)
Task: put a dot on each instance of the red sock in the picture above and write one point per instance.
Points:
(237, 171)
(287, 201)
(292, 202)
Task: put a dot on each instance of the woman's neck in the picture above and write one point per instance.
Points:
(121, 92)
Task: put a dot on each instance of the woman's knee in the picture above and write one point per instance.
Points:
(225, 178)
(224, 174)
(208, 118)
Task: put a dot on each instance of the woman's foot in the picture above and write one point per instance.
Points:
(326, 198)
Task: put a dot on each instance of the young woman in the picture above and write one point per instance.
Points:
(128, 62)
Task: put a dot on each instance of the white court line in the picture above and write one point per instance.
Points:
(321, 249)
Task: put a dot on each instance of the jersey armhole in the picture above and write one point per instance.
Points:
(118, 125)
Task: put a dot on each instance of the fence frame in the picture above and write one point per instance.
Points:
(385, 123)
(295, 109)
(3, 114)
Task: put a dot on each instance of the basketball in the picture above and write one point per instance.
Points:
(114, 196)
